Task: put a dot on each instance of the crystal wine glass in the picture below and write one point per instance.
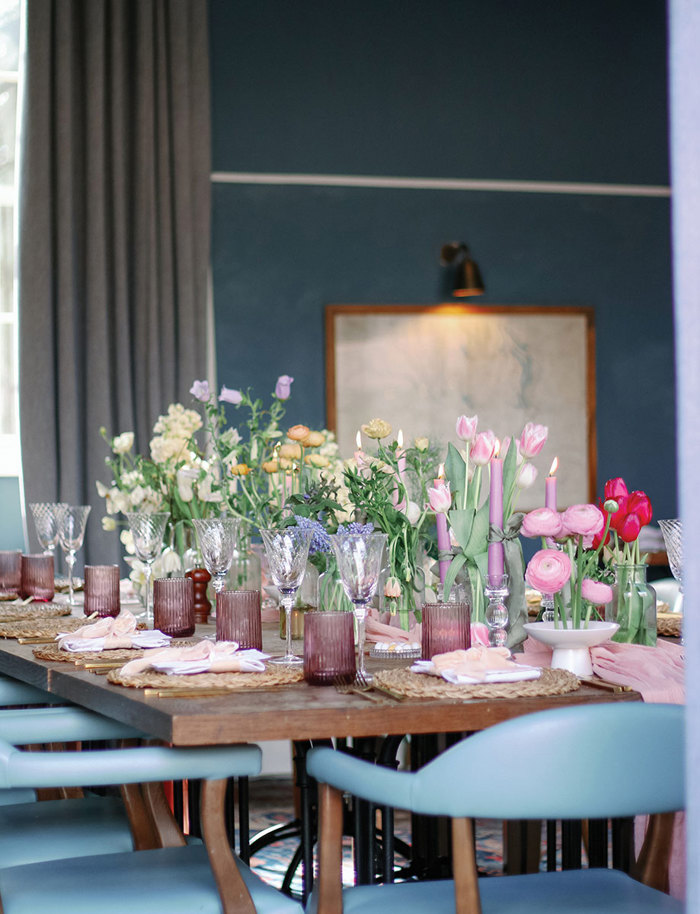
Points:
(673, 538)
(359, 557)
(287, 550)
(147, 531)
(45, 516)
(71, 530)
(217, 537)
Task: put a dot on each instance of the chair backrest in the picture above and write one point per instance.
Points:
(20, 727)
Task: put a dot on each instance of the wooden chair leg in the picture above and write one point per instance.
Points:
(653, 861)
(330, 882)
(166, 829)
(235, 897)
(140, 820)
(467, 899)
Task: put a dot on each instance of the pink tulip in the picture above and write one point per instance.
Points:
(200, 390)
(440, 498)
(283, 387)
(229, 395)
(526, 476)
(483, 448)
(548, 570)
(596, 592)
(542, 522)
(466, 428)
(532, 439)
(583, 520)
(480, 634)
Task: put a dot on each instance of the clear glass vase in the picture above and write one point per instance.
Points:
(633, 606)
(306, 601)
(246, 569)
(331, 594)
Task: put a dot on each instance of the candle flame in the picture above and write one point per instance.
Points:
(399, 438)
(358, 440)
(554, 467)
(497, 449)
(441, 471)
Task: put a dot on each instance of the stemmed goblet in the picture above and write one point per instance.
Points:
(217, 537)
(359, 557)
(287, 550)
(147, 531)
(672, 531)
(71, 530)
(45, 516)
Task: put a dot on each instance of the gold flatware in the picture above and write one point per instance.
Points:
(605, 685)
(395, 695)
(37, 640)
(186, 693)
(93, 665)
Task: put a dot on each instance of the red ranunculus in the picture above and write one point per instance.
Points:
(628, 531)
(618, 518)
(615, 488)
(640, 505)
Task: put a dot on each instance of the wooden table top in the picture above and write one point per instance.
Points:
(295, 712)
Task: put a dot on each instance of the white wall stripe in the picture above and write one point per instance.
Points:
(527, 187)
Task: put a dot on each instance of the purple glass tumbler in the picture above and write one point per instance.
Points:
(11, 570)
(102, 590)
(446, 627)
(329, 647)
(37, 577)
(173, 606)
(238, 618)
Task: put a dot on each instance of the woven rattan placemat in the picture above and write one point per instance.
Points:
(282, 676)
(8, 595)
(33, 611)
(419, 685)
(38, 628)
(54, 654)
(669, 624)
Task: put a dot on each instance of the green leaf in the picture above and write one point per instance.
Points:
(455, 469)
(478, 538)
(452, 572)
(461, 522)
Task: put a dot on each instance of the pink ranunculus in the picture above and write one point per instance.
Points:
(283, 387)
(440, 498)
(200, 390)
(526, 476)
(542, 522)
(532, 439)
(483, 448)
(583, 520)
(229, 395)
(466, 428)
(548, 570)
(596, 592)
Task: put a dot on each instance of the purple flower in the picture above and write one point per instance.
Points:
(283, 387)
(228, 395)
(200, 390)
(356, 528)
(320, 541)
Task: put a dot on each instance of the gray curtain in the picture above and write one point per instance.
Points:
(685, 168)
(114, 234)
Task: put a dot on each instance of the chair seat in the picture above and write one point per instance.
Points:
(173, 880)
(10, 795)
(54, 829)
(571, 892)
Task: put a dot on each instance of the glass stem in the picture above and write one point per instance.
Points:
(360, 615)
(148, 571)
(70, 562)
(288, 602)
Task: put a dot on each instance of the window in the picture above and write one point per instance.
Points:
(10, 57)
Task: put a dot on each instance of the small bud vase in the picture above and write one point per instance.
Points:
(633, 606)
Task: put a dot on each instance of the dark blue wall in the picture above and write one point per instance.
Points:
(547, 91)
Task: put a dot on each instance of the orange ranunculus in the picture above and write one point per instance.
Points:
(298, 432)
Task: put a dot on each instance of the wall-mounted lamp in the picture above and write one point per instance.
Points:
(467, 278)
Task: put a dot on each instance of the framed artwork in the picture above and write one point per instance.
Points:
(421, 366)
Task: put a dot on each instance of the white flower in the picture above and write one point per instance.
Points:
(109, 524)
(204, 490)
(230, 438)
(526, 476)
(412, 512)
(171, 561)
(123, 443)
(127, 540)
(186, 477)
(136, 496)
(102, 489)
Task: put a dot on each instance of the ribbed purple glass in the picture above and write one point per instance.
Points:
(37, 577)
(102, 590)
(10, 570)
(173, 606)
(329, 647)
(238, 618)
(445, 628)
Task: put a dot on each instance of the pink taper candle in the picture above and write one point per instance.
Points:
(443, 534)
(495, 559)
(550, 486)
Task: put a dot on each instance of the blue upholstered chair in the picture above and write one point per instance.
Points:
(176, 878)
(596, 761)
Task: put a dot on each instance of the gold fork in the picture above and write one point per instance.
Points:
(360, 685)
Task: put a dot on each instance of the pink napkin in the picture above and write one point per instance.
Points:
(204, 657)
(110, 634)
(378, 631)
(478, 664)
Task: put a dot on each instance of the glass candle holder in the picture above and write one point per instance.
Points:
(446, 627)
(173, 606)
(37, 577)
(238, 618)
(102, 590)
(11, 570)
(329, 647)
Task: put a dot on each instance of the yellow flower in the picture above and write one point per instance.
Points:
(313, 439)
(240, 469)
(285, 463)
(270, 466)
(421, 444)
(316, 460)
(377, 428)
(290, 452)
(298, 432)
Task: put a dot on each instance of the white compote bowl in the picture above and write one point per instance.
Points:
(570, 646)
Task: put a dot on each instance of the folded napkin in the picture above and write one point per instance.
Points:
(111, 634)
(478, 664)
(380, 632)
(204, 657)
